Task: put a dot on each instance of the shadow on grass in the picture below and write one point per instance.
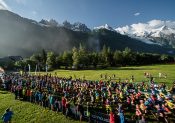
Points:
(3, 92)
(110, 68)
(126, 68)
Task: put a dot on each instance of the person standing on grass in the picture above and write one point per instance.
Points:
(64, 100)
(56, 105)
(142, 120)
(16, 92)
(68, 110)
(51, 101)
(80, 109)
(24, 93)
(7, 116)
(112, 117)
(121, 113)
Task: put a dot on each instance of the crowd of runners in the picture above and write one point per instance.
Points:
(121, 101)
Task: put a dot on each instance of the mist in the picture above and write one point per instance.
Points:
(23, 37)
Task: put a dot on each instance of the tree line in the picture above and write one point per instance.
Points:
(80, 58)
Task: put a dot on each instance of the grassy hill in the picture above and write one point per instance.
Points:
(123, 73)
(25, 112)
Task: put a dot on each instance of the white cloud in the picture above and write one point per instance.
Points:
(137, 14)
(170, 24)
(3, 5)
(123, 30)
(142, 28)
(156, 23)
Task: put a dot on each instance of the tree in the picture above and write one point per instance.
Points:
(37, 58)
(44, 57)
(59, 61)
(83, 56)
(118, 57)
(51, 60)
(127, 56)
(94, 59)
(105, 53)
(79, 57)
(75, 58)
(21, 64)
(67, 59)
(165, 58)
(110, 56)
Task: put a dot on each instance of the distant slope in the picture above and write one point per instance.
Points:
(118, 41)
(22, 36)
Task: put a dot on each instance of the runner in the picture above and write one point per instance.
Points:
(104, 97)
(7, 116)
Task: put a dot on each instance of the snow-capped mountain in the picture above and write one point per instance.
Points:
(153, 32)
(77, 26)
(106, 26)
(80, 27)
(27, 36)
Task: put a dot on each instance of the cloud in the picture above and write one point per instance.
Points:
(140, 27)
(159, 23)
(124, 29)
(156, 23)
(3, 5)
(137, 14)
(150, 26)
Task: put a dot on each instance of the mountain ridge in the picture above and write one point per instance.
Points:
(22, 36)
(156, 31)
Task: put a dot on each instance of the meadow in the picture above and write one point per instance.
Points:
(25, 112)
(122, 73)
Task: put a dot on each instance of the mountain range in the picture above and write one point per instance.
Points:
(153, 32)
(23, 36)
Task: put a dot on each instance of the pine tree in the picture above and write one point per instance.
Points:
(44, 57)
(75, 58)
(83, 56)
(51, 60)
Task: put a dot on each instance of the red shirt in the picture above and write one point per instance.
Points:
(112, 117)
(63, 101)
(28, 92)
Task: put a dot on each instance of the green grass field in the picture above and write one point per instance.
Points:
(123, 73)
(25, 112)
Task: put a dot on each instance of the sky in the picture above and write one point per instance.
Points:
(94, 12)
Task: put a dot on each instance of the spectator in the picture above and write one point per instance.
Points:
(7, 116)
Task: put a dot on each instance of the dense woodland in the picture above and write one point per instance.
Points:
(80, 58)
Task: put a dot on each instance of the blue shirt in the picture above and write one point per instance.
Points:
(7, 116)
